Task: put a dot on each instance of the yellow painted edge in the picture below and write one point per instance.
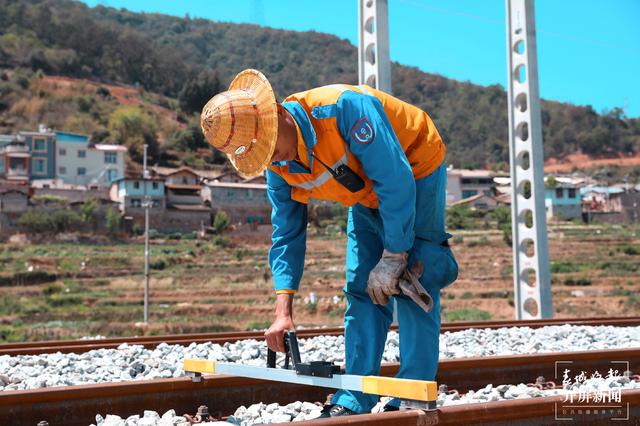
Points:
(199, 366)
(419, 390)
(285, 291)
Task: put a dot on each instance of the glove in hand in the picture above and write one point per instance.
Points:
(383, 279)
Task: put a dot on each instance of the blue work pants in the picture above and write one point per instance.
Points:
(367, 324)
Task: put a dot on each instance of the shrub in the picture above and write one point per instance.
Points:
(49, 199)
(221, 221)
(222, 241)
(469, 314)
(113, 221)
(36, 221)
(570, 281)
(88, 210)
(458, 217)
(66, 220)
(630, 250)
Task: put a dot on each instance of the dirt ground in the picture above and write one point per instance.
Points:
(225, 284)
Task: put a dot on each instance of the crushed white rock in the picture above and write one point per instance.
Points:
(134, 362)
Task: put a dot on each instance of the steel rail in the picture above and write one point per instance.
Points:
(78, 405)
(79, 346)
(521, 412)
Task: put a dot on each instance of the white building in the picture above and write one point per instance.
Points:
(79, 162)
(462, 184)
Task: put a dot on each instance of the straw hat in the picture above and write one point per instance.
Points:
(243, 122)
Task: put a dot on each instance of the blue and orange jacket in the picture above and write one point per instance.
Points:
(387, 142)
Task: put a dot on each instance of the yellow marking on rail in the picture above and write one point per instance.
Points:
(199, 366)
(419, 390)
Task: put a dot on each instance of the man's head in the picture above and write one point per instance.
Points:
(247, 124)
(287, 142)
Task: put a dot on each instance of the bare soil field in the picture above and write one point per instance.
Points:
(64, 291)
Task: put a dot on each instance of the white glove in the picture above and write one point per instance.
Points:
(411, 287)
(383, 279)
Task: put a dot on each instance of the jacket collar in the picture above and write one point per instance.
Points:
(306, 131)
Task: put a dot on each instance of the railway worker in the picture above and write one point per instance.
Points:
(384, 159)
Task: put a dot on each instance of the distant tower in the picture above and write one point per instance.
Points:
(257, 12)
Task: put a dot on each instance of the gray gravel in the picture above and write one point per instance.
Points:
(134, 362)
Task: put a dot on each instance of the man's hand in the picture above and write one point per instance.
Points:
(411, 287)
(383, 279)
(283, 322)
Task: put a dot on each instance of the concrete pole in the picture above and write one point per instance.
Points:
(531, 275)
(145, 176)
(374, 65)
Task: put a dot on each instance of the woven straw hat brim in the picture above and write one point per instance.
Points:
(257, 159)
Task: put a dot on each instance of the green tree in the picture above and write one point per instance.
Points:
(88, 210)
(113, 221)
(198, 90)
(502, 216)
(66, 220)
(550, 182)
(221, 221)
(459, 217)
(36, 221)
(132, 127)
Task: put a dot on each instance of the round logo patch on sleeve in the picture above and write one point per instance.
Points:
(362, 131)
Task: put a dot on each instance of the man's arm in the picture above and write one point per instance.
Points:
(384, 162)
(289, 237)
(286, 257)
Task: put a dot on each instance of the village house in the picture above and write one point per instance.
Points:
(15, 158)
(562, 200)
(243, 202)
(80, 162)
(462, 183)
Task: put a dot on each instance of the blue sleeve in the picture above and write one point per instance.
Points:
(384, 162)
(289, 237)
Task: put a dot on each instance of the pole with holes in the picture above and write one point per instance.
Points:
(531, 276)
(374, 65)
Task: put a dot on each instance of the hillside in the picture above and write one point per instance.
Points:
(178, 62)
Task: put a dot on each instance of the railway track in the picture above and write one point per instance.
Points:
(78, 405)
(79, 346)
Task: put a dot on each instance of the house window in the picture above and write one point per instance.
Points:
(62, 170)
(39, 145)
(487, 193)
(82, 153)
(136, 185)
(572, 193)
(185, 180)
(135, 202)
(111, 175)
(154, 185)
(110, 158)
(39, 166)
(467, 194)
(62, 151)
(559, 192)
(82, 171)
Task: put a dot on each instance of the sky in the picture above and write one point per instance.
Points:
(588, 50)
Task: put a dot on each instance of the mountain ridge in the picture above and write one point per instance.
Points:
(172, 56)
